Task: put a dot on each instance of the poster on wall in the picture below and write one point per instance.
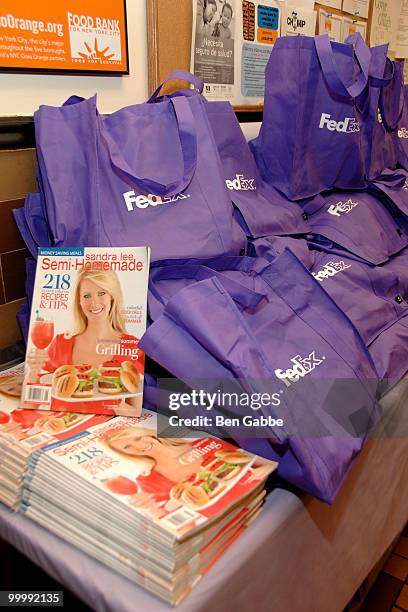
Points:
(72, 36)
(231, 44)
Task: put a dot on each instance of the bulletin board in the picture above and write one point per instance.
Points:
(355, 19)
(169, 27)
(169, 38)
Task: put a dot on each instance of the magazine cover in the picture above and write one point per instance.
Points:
(88, 314)
(179, 484)
(32, 429)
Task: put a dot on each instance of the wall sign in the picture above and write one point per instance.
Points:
(64, 36)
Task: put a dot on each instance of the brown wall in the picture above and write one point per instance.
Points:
(17, 177)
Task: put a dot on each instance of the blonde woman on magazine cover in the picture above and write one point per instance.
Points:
(96, 316)
(163, 468)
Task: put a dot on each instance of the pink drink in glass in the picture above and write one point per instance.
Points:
(42, 332)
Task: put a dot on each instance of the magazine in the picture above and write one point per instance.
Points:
(93, 519)
(27, 430)
(88, 314)
(158, 510)
(172, 585)
(23, 431)
(171, 486)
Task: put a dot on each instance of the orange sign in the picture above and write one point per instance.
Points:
(67, 35)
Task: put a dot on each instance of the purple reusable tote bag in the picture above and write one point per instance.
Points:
(375, 139)
(260, 328)
(263, 211)
(386, 146)
(310, 137)
(403, 132)
(148, 174)
(266, 211)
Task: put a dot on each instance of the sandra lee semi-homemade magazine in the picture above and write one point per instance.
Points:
(29, 430)
(173, 486)
(88, 314)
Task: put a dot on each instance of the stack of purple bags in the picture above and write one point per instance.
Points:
(287, 274)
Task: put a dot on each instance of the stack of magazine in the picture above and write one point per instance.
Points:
(24, 431)
(158, 510)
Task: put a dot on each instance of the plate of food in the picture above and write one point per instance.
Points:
(73, 383)
(12, 386)
(212, 480)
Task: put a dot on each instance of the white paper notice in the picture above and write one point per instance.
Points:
(297, 20)
(401, 49)
(307, 5)
(330, 24)
(231, 45)
(382, 22)
(356, 7)
(351, 26)
(332, 3)
(395, 15)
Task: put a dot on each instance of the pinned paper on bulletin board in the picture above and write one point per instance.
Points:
(330, 24)
(383, 28)
(336, 4)
(401, 47)
(230, 46)
(356, 7)
(297, 20)
(73, 36)
(351, 26)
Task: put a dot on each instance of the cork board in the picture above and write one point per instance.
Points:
(321, 6)
(169, 25)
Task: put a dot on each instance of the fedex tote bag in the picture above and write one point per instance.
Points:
(310, 138)
(148, 174)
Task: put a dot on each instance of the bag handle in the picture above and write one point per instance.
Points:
(183, 75)
(385, 80)
(398, 81)
(188, 142)
(239, 293)
(376, 81)
(326, 58)
(73, 100)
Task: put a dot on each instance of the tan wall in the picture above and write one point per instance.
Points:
(17, 177)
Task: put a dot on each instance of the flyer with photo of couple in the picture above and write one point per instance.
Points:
(231, 45)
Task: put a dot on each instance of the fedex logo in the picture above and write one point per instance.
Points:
(348, 125)
(341, 207)
(143, 201)
(330, 269)
(240, 183)
(301, 366)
